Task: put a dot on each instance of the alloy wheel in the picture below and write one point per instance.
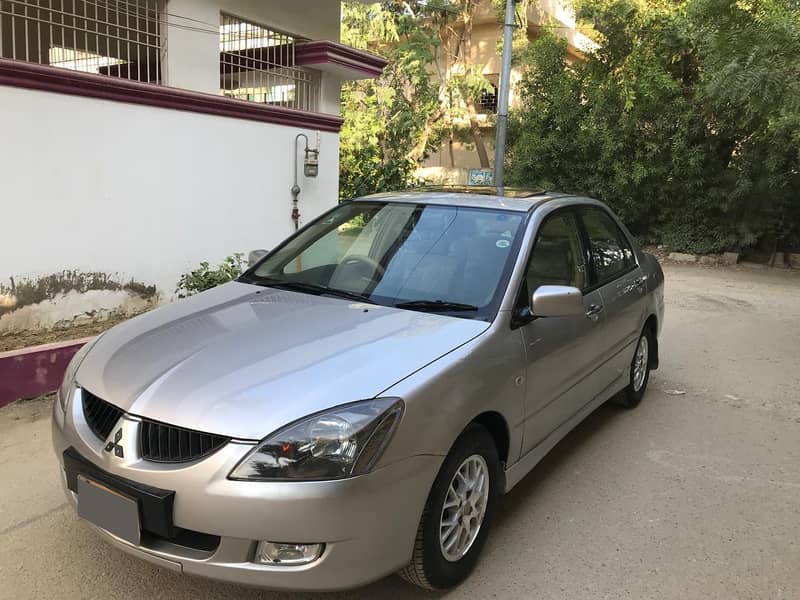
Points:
(640, 363)
(464, 508)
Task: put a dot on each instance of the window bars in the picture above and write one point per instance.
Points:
(487, 103)
(119, 38)
(258, 64)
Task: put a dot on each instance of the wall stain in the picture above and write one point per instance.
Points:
(28, 291)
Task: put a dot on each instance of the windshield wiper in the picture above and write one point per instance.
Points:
(349, 295)
(313, 288)
(434, 305)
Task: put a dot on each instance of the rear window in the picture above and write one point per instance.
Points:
(611, 253)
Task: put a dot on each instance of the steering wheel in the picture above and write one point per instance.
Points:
(353, 260)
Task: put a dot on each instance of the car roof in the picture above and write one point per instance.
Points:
(514, 199)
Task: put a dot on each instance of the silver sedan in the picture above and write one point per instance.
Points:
(356, 402)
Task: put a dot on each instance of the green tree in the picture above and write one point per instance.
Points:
(389, 123)
(750, 52)
(429, 88)
(679, 120)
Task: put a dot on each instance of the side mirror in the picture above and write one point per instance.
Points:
(557, 301)
(255, 256)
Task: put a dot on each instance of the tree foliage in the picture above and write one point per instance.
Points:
(391, 122)
(686, 119)
(426, 93)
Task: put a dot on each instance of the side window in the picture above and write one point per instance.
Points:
(611, 253)
(557, 257)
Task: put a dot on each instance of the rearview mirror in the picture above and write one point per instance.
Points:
(557, 301)
(255, 256)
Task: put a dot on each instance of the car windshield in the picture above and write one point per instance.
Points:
(422, 257)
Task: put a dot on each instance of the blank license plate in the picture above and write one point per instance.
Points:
(113, 511)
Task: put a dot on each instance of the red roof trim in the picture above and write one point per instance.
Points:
(327, 52)
(15, 73)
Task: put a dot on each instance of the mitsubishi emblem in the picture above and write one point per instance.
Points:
(115, 445)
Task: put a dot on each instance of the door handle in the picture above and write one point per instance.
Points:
(634, 284)
(593, 314)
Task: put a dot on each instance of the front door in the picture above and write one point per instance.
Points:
(559, 356)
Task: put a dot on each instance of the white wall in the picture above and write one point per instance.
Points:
(192, 47)
(144, 192)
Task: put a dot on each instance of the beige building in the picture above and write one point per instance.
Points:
(456, 157)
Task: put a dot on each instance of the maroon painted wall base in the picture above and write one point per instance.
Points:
(35, 371)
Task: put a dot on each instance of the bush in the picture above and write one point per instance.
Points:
(695, 239)
(204, 278)
(685, 120)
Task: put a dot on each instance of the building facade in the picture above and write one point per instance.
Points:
(141, 137)
(455, 159)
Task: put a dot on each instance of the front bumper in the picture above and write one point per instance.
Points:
(367, 523)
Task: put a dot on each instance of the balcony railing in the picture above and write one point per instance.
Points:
(259, 64)
(119, 38)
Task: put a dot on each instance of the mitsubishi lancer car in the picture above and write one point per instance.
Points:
(357, 401)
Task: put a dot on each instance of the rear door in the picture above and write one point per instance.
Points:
(618, 278)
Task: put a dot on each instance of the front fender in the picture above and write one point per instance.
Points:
(445, 396)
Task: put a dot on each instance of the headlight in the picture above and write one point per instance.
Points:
(335, 444)
(67, 388)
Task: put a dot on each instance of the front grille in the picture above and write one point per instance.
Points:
(158, 442)
(100, 415)
(170, 444)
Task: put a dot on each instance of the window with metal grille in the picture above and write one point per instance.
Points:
(120, 38)
(487, 103)
(258, 64)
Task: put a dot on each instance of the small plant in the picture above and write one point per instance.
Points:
(204, 278)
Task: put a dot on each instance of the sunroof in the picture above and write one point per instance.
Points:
(483, 190)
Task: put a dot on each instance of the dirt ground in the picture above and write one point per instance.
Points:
(693, 495)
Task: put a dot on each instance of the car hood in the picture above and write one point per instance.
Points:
(241, 360)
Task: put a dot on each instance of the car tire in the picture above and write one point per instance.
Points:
(431, 568)
(632, 395)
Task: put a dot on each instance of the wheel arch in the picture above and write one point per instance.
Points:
(652, 323)
(496, 425)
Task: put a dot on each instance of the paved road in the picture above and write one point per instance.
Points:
(690, 496)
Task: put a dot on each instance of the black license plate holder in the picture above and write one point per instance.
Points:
(155, 504)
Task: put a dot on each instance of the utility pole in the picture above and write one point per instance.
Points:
(502, 101)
